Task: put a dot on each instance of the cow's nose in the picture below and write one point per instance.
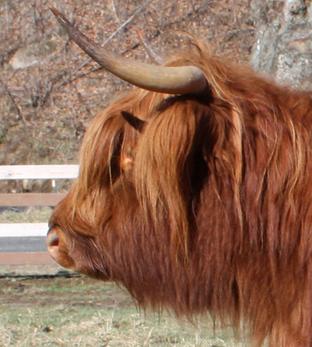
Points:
(57, 248)
(52, 239)
(53, 243)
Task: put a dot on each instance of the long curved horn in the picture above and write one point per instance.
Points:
(171, 80)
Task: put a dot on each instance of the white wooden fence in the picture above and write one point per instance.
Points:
(28, 230)
(38, 172)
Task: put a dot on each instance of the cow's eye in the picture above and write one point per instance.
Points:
(126, 160)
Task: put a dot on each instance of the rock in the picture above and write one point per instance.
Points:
(284, 45)
(32, 54)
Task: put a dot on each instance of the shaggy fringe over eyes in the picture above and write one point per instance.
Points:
(161, 168)
(99, 168)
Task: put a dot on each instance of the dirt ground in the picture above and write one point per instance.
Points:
(78, 311)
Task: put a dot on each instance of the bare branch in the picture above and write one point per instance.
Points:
(129, 20)
(7, 21)
(82, 101)
(16, 106)
(121, 27)
(41, 93)
(115, 11)
(77, 77)
(152, 55)
(37, 16)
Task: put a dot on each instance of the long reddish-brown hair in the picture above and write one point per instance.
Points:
(208, 206)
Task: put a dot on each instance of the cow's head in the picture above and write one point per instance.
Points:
(133, 213)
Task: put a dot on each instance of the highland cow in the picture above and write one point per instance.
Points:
(195, 193)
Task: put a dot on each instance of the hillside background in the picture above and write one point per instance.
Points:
(49, 89)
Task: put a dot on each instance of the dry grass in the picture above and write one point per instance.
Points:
(29, 215)
(83, 312)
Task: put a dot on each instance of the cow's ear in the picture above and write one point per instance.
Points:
(132, 120)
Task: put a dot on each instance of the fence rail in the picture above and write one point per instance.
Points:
(23, 229)
(17, 233)
(30, 199)
(38, 172)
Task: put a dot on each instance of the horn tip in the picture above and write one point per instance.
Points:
(63, 21)
(56, 12)
(59, 15)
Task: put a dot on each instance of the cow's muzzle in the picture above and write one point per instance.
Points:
(57, 247)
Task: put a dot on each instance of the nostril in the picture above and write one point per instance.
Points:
(52, 239)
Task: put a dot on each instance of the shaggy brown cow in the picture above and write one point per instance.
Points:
(204, 202)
